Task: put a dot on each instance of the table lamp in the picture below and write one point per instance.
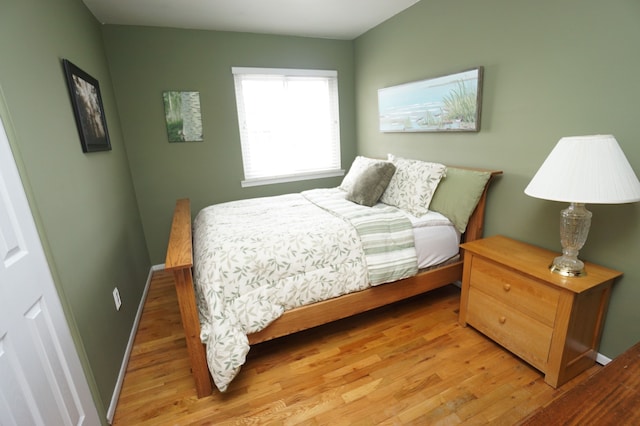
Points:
(581, 170)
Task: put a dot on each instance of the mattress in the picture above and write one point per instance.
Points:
(436, 239)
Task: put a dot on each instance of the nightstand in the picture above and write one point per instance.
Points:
(552, 322)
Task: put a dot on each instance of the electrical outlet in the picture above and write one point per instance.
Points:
(116, 298)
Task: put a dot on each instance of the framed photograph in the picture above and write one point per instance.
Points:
(87, 108)
(182, 115)
(451, 103)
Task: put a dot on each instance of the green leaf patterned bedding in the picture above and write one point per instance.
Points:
(256, 258)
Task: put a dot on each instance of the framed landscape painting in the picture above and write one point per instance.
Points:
(87, 109)
(450, 103)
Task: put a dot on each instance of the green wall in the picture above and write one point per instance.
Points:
(84, 204)
(552, 69)
(146, 61)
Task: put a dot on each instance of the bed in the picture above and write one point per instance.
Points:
(373, 270)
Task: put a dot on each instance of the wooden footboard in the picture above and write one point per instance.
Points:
(180, 260)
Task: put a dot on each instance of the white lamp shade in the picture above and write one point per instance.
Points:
(586, 169)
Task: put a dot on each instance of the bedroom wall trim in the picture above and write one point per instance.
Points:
(602, 360)
(291, 178)
(127, 353)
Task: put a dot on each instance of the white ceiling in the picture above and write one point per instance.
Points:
(335, 19)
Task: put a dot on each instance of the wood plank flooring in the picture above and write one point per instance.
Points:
(409, 363)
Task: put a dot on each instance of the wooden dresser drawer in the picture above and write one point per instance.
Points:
(551, 321)
(521, 334)
(531, 297)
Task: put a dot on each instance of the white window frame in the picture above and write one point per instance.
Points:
(262, 174)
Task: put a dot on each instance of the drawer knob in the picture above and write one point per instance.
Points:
(506, 287)
(502, 320)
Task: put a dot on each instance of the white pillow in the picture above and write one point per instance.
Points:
(359, 165)
(413, 185)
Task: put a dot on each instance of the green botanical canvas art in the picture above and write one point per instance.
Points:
(182, 114)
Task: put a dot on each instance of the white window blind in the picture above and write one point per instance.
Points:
(289, 125)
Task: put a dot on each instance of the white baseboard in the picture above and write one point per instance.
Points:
(602, 360)
(123, 368)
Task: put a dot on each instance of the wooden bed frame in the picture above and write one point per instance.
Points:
(180, 260)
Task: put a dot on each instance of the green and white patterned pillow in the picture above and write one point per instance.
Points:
(413, 185)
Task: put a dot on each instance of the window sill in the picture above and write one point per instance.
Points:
(291, 178)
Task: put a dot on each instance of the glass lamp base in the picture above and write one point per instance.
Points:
(568, 267)
(575, 222)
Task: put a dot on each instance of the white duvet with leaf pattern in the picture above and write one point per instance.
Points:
(256, 258)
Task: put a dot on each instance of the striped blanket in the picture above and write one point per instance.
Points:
(386, 235)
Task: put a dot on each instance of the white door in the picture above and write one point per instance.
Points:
(41, 378)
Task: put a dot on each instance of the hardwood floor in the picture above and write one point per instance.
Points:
(409, 363)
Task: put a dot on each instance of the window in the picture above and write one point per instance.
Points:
(289, 125)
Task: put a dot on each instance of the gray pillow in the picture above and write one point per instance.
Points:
(371, 183)
(358, 166)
